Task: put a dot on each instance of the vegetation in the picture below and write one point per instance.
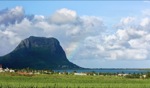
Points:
(14, 80)
(37, 53)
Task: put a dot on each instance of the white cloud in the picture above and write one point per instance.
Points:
(64, 24)
(137, 54)
(122, 34)
(39, 18)
(64, 16)
(82, 37)
(67, 12)
(127, 20)
(131, 42)
(145, 22)
(9, 16)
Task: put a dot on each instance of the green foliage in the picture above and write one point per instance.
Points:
(12, 80)
(148, 75)
(133, 76)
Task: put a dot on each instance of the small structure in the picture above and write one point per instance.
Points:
(6, 69)
(80, 74)
(143, 76)
(120, 74)
(11, 70)
(125, 75)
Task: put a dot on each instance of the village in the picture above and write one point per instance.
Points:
(6, 69)
(31, 72)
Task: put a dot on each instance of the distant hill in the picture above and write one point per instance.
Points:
(38, 53)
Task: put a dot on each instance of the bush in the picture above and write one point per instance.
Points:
(133, 76)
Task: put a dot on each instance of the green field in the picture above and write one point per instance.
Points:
(69, 81)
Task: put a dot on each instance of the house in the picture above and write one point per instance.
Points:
(6, 69)
(143, 76)
(123, 75)
(11, 70)
(120, 74)
(80, 74)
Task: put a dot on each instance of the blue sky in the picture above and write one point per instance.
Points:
(110, 34)
(110, 10)
(96, 8)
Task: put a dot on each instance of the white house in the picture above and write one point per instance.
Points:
(80, 74)
(11, 70)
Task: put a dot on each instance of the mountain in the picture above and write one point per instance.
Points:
(38, 53)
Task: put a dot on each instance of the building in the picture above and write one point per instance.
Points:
(80, 74)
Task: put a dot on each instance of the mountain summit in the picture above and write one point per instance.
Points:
(38, 53)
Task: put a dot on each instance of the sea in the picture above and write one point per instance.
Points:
(127, 71)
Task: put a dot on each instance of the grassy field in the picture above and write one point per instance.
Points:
(70, 81)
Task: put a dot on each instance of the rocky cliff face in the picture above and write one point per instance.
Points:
(38, 53)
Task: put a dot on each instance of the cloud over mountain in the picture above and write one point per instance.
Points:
(82, 37)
